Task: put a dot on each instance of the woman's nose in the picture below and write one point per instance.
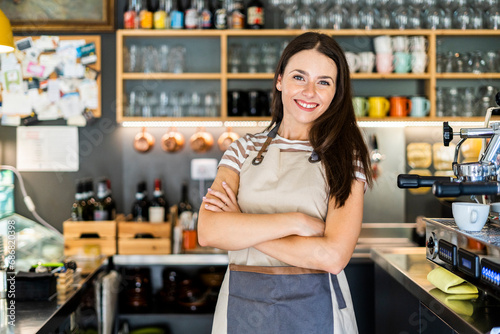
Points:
(309, 89)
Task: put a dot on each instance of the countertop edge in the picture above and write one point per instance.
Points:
(451, 318)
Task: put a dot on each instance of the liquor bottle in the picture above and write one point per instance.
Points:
(129, 15)
(184, 204)
(255, 14)
(77, 209)
(176, 16)
(159, 206)
(191, 16)
(220, 15)
(160, 15)
(110, 202)
(88, 213)
(146, 15)
(237, 15)
(105, 208)
(205, 16)
(140, 208)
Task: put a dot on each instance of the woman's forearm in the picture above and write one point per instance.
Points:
(234, 231)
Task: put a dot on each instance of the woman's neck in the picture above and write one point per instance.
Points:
(293, 132)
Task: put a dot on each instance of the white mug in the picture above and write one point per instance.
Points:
(367, 61)
(353, 61)
(382, 44)
(418, 43)
(418, 61)
(400, 44)
(470, 216)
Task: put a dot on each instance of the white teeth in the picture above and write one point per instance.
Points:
(306, 105)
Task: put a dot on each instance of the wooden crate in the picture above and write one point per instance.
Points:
(159, 243)
(89, 237)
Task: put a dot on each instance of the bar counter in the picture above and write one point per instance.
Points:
(409, 267)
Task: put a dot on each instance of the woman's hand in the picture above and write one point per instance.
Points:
(223, 202)
(310, 226)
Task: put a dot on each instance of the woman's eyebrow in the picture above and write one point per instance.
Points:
(305, 73)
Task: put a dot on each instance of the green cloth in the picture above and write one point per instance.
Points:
(449, 282)
(461, 304)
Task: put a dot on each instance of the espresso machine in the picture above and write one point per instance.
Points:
(474, 256)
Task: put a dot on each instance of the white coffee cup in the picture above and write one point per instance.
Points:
(495, 207)
(418, 61)
(470, 216)
(353, 61)
(367, 61)
(418, 43)
(400, 44)
(382, 44)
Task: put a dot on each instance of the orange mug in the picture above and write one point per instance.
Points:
(400, 106)
(189, 238)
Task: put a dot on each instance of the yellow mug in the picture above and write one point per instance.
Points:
(378, 106)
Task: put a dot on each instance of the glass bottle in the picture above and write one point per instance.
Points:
(105, 208)
(220, 15)
(146, 15)
(237, 15)
(159, 206)
(184, 204)
(176, 16)
(77, 208)
(255, 14)
(90, 200)
(205, 16)
(160, 15)
(140, 207)
(191, 16)
(129, 15)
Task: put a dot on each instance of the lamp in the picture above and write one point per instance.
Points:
(6, 38)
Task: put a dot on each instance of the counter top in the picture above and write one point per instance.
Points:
(46, 316)
(409, 266)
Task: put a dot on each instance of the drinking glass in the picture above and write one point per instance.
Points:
(492, 63)
(462, 17)
(269, 57)
(434, 16)
(163, 55)
(163, 105)
(469, 101)
(234, 58)
(253, 58)
(353, 19)
(210, 103)
(131, 110)
(150, 59)
(454, 102)
(175, 104)
(476, 63)
(441, 100)
(401, 18)
(493, 18)
(194, 105)
(134, 59)
(384, 18)
(338, 15)
(305, 17)
(369, 17)
(176, 59)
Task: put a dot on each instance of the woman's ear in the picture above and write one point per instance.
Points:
(278, 83)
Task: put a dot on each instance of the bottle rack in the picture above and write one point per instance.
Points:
(429, 79)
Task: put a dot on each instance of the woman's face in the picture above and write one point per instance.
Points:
(308, 86)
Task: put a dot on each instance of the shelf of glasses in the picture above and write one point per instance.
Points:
(171, 76)
(250, 76)
(390, 76)
(467, 75)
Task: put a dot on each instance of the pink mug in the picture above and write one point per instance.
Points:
(384, 62)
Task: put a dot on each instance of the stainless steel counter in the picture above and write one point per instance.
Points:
(409, 267)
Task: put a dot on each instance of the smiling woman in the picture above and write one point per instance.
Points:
(291, 200)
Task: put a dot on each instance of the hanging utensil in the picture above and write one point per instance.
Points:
(172, 141)
(143, 141)
(226, 139)
(201, 141)
(375, 157)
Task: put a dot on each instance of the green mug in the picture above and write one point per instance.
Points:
(360, 105)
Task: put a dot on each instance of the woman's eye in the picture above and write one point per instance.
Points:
(298, 77)
(326, 83)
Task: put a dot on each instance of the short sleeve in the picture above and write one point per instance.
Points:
(359, 173)
(235, 155)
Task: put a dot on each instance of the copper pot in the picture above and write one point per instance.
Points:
(143, 141)
(172, 141)
(226, 139)
(201, 141)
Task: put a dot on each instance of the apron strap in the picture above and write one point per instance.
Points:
(338, 292)
(270, 136)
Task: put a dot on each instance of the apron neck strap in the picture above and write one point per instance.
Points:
(270, 136)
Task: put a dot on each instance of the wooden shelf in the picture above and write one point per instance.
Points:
(429, 79)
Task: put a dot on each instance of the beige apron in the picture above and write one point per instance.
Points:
(283, 182)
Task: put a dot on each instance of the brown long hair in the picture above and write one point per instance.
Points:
(334, 135)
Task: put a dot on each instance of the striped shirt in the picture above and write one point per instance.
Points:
(240, 149)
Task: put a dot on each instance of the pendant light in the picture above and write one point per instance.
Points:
(6, 38)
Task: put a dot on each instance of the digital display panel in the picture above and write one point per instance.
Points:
(468, 263)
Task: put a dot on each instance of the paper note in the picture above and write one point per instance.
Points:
(89, 94)
(71, 105)
(15, 103)
(47, 148)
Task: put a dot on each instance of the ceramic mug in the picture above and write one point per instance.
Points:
(382, 44)
(400, 43)
(420, 106)
(400, 106)
(367, 62)
(470, 216)
(378, 106)
(418, 43)
(384, 62)
(360, 105)
(353, 61)
(402, 62)
(418, 61)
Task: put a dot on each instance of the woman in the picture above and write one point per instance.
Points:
(288, 203)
